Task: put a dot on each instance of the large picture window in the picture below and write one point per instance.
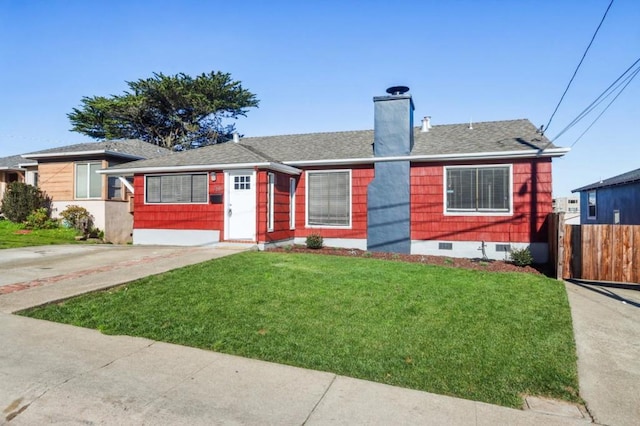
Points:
(484, 189)
(176, 189)
(329, 198)
(88, 182)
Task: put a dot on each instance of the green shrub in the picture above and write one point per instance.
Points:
(21, 199)
(521, 257)
(40, 219)
(315, 241)
(78, 218)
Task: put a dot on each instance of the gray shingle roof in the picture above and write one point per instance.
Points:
(226, 153)
(494, 136)
(13, 161)
(126, 147)
(491, 136)
(629, 177)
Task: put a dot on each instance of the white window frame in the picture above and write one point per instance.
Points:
(315, 226)
(595, 204)
(476, 212)
(89, 179)
(271, 178)
(206, 198)
(292, 203)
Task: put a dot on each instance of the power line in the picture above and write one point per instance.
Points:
(599, 99)
(631, 77)
(578, 67)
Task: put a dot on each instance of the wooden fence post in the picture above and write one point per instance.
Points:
(560, 246)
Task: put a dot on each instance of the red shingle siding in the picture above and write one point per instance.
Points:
(360, 178)
(179, 216)
(281, 226)
(527, 223)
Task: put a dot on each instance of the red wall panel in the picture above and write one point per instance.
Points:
(281, 228)
(178, 216)
(360, 178)
(531, 205)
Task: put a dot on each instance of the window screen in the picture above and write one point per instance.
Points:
(328, 201)
(478, 189)
(177, 189)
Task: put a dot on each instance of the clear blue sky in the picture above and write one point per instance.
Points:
(315, 66)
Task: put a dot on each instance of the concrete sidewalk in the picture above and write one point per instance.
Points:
(56, 373)
(606, 323)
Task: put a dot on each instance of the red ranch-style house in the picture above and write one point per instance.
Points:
(441, 190)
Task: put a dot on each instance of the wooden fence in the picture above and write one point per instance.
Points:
(595, 252)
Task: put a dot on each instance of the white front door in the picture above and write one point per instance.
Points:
(240, 219)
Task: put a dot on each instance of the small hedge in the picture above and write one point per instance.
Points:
(521, 257)
(315, 241)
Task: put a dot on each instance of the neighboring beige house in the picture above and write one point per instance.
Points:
(17, 169)
(68, 175)
(570, 206)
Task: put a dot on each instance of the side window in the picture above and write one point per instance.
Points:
(591, 202)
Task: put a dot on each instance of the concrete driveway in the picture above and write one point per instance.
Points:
(84, 268)
(606, 323)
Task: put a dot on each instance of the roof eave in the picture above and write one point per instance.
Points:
(604, 185)
(83, 154)
(534, 153)
(278, 167)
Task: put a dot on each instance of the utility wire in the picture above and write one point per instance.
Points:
(632, 76)
(578, 67)
(589, 108)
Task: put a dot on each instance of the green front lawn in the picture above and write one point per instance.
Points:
(483, 336)
(13, 235)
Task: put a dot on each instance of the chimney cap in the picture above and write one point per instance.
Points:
(397, 90)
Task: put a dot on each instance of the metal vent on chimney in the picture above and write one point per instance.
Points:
(397, 90)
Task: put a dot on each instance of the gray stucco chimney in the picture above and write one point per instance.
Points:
(393, 123)
(388, 194)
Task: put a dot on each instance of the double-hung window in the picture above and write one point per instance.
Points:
(176, 189)
(478, 190)
(329, 198)
(88, 182)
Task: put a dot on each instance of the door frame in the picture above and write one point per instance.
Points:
(228, 179)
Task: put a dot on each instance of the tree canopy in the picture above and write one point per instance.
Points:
(168, 111)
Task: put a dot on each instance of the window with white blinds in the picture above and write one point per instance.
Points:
(329, 198)
(177, 189)
(478, 189)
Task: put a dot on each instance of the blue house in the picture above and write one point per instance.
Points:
(611, 201)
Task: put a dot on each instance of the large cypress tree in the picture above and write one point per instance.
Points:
(167, 110)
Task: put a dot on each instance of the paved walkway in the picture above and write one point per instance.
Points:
(606, 323)
(56, 373)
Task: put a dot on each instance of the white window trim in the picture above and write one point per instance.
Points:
(271, 178)
(476, 213)
(306, 210)
(173, 204)
(595, 195)
(75, 180)
(292, 203)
